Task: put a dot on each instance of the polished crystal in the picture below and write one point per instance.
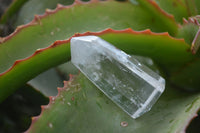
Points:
(127, 82)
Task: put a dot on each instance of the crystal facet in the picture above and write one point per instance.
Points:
(128, 83)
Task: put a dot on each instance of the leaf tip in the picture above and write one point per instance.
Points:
(185, 21)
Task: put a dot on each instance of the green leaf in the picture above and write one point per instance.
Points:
(63, 22)
(154, 9)
(16, 111)
(188, 76)
(47, 82)
(81, 107)
(169, 53)
(86, 108)
(176, 7)
(29, 9)
(12, 9)
(188, 31)
(194, 125)
(66, 69)
(197, 3)
(191, 7)
(196, 42)
(25, 70)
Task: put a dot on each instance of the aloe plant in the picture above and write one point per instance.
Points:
(167, 31)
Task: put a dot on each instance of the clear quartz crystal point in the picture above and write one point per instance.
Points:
(127, 82)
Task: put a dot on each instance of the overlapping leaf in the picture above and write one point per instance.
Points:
(66, 21)
(168, 52)
(62, 23)
(17, 109)
(81, 107)
(83, 102)
(176, 7)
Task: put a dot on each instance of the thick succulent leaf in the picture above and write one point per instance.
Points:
(155, 10)
(51, 27)
(12, 9)
(63, 22)
(196, 43)
(176, 7)
(24, 70)
(194, 125)
(66, 69)
(47, 82)
(7, 9)
(15, 112)
(81, 107)
(197, 3)
(191, 7)
(188, 31)
(29, 9)
(26, 13)
(168, 52)
(188, 77)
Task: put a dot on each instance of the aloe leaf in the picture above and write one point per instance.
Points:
(47, 82)
(66, 69)
(191, 7)
(194, 125)
(17, 109)
(8, 9)
(197, 3)
(63, 22)
(168, 52)
(12, 9)
(28, 11)
(81, 107)
(154, 9)
(196, 42)
(176, 7)
(188, 77)
(43, 30)
(188, 31)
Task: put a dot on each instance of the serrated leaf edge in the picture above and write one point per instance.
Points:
(48, 12)
(51, 100)
(109, 30)
(195, 44)
(161, 10)
(187, 123)
(65, 88)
